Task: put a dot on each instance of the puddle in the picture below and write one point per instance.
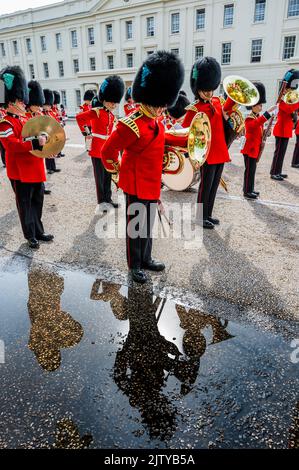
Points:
(88, 363)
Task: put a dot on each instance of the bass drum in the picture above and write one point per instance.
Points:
(183, 180)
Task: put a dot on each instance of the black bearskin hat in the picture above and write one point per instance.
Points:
(36, 94)
(95, 103)
(262, 92)
(88, 95)
(292, 78)
(112, 89)
(56, 97)
(205, 75)
(49, 97)
(15, 84)
(178, 109)
(158, 80)
(128, 94)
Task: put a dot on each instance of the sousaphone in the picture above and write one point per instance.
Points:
(48, 127)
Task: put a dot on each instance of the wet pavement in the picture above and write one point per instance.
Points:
(90, 362)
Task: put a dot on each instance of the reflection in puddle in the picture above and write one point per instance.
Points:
(116, 366)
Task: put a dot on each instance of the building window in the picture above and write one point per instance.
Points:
(92, 63)
(175, 51)
(29, 46)
(129, 60)
(90, 33)
(43, 43)
(58, 41)
(200, 18)
(63, 98)
(78, 98)
(228, 18)
(198, 52)
(293, 8)
(129, 29)
(256, 50)
(15, 48)
(3, 52)
(289, 47)
(175, 23)
(74, 38)
(60, 68)
(226, 53)
(109, 32)
(150, 26)
(31, 72)
(46, 70)
(110, 62)
(259, 11)
(76, 65)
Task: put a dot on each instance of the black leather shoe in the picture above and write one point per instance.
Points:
(62, 154)
(256, 192)
(57, 170)
(154, 265)
(47, 191)
(113, 204)
(283, 175)
(138, 276)
(214, 221)
(207, 224)
(250, 195)
(50, 172)
(33, 243)
(296, 165)
(276, 177)
(45, 238)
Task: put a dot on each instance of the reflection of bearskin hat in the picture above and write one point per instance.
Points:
(292, 78)
(178, 109)
(158, 80)
(56, 97)
(128, 94)
(205, 75)
(112, 89)
(15, 84)
(36, 94)
(262, 92)
(88, 95)
(49, 97)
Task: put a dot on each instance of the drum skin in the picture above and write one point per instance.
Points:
(183, 180)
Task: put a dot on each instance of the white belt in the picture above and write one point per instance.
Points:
(100, 136)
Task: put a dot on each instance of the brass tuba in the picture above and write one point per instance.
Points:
(198, 142)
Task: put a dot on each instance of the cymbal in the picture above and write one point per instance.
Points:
(51, 129)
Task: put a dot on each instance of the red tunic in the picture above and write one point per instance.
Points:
(101, 121)
(254, 126)
(130, 108)
(20, 163)
(218, 152)
(284, 124)
(297, 125)
(85, 107)
(143, 139)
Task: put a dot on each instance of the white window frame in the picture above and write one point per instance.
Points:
(58, 41)
(230, 53)
(91, 36)
(284, 46)
(198, 10)
(225, 8)
(43, 43)
(78, 97)
(109, 32)
(46, 70)
(74, 39)
(29, 45)
(175, 22)
(128, 36)
(196, 57)
(15, 44)
(76, 65)
(150, 26)
(63, 98)
(109, 56)
(91, 66)
(60, 69)
(127, 60)
(289, 9)
(3, 50)
(260, 40)
(31, 71)
(255, 19)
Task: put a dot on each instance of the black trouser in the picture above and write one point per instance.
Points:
(2, 151)
(29, 200)
(295, 160)
(209, 182)
(279, 154)
(140, 221)
(249, 174)
(51, 164)
(103, 180)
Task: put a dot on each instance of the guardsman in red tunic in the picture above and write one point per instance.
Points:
(25, 171)
(57, 114)
(48, 111)
(141, 136)
(205, 78)
(2, 151)
(295, 160)
(254, 128)
(130, 105)
(88, 95)
(283, 128)
(176, 113)
(101, 119)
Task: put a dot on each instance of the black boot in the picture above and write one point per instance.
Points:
(250, 195)
(276, 177)
(207, 224)
(138, 276)
(154, 265)
(33, 243)
(214, 221)
(45, 238)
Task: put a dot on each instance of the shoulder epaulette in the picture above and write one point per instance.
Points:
(251, 116)
(5, 120)
(192, 107)
(97, 110)
(130, 121)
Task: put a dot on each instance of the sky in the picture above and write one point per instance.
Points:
(9, 6)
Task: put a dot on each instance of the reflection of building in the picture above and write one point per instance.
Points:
(51, 328)
(67, 436)
(73, 45)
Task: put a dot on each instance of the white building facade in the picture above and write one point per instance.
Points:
(73, 45)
